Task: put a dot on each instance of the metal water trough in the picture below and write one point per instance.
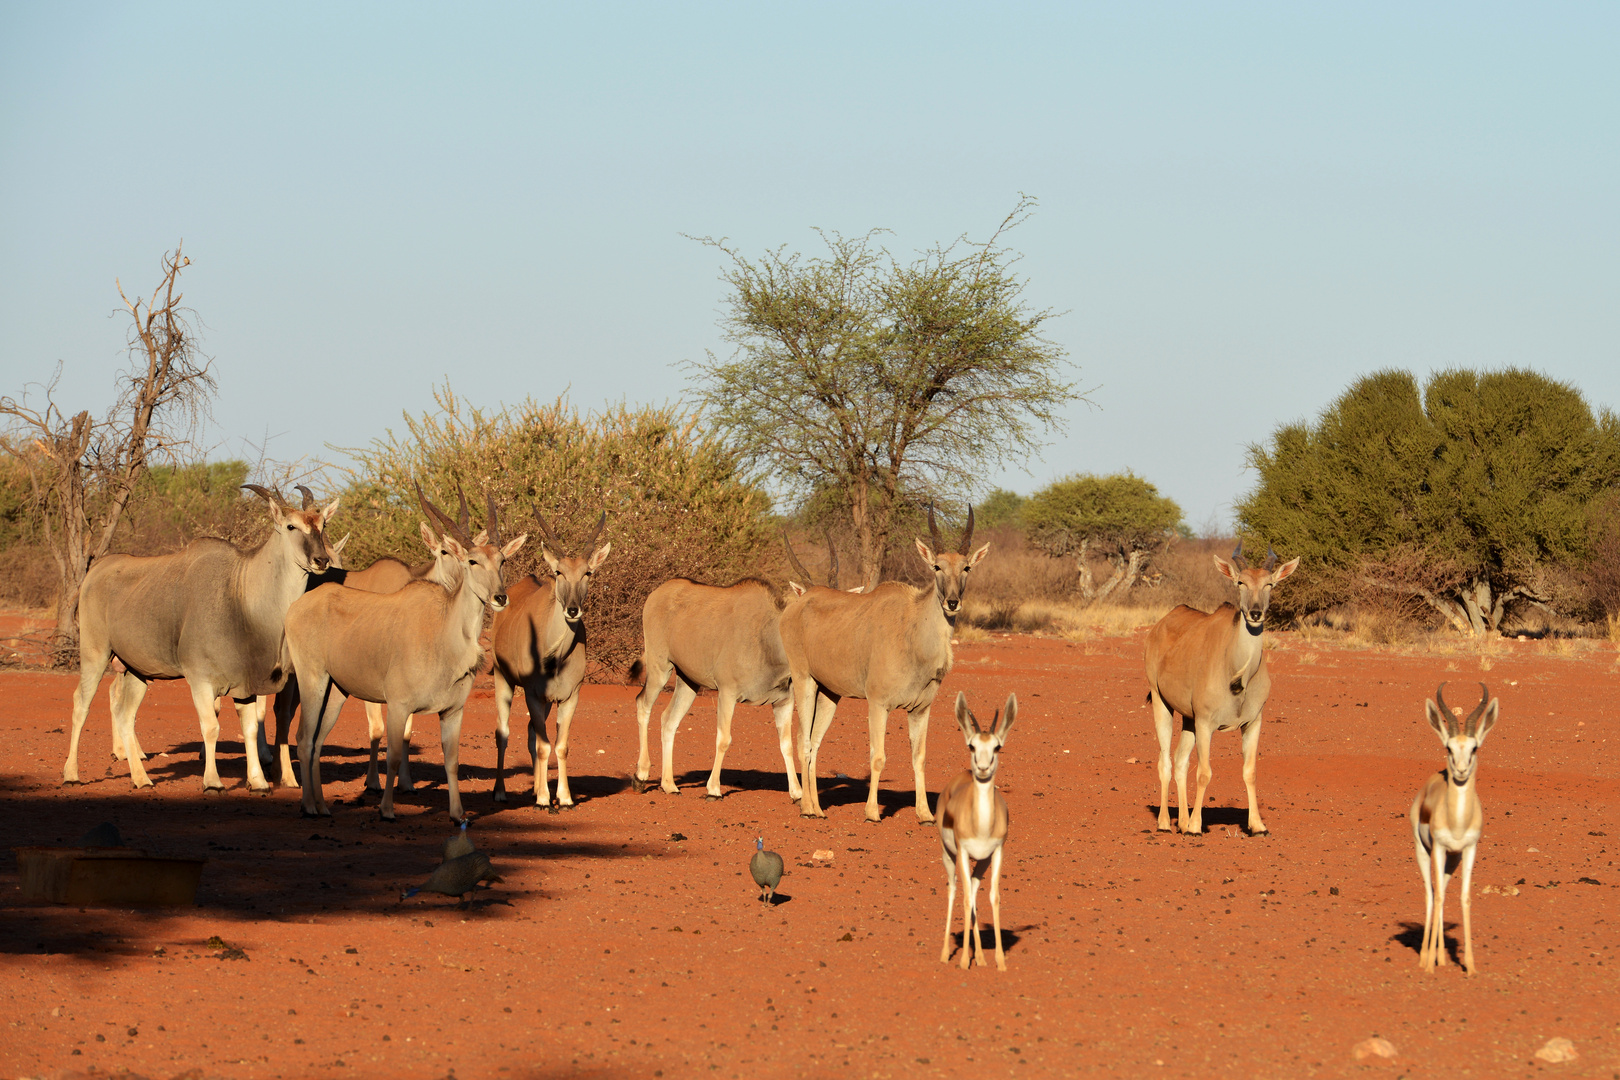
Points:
(107, 877)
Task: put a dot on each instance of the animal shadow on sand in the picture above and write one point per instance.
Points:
(1010, 935)
(730, 779)
(1214, 816)
(1411, 936)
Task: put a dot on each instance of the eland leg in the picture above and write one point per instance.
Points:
(1162, 721)
(124, 698)
(917, 728)
(93, 661)
(539, 746)
(565, 721)
(450, 743)
(1251, 754)
(1202, 734)
(205, 699)
(504, 692)
(782, 715)
(877, 730)
(680, 701)
(724, 707)
(656, 675)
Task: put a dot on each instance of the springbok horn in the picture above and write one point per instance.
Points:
(967, 533)
(450, 527)
(493, 525)
(832, 559)
(309, 496)
(933, 529)
(264, 492)
(793, 559)
(601, 523)
(1445, 713)
(1237, 555)
(1479, 710)
(549, 538)
(1271, 559)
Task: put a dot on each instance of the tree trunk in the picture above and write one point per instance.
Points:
(1476, 600)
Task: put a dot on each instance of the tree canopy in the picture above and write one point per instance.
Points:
(1122, 518)
(887, 381)
(1462, 495)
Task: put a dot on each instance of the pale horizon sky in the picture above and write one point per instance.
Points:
(1242, 207)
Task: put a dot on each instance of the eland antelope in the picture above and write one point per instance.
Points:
(891, 646)
(212, 614)
(539, 642)
(1447, 820)
(415, 650)
(972, 829)
(1210, 668)
(386, 575)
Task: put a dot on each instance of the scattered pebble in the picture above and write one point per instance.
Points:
(823, 855)
(1557, 1051)
(1373, 1048)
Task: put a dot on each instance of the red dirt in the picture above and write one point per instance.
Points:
(613, 948)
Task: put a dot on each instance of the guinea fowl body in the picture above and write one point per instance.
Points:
(766, 866)
(458, 845)
(458, 876)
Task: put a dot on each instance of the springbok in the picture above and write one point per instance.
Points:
(1447, 820)
(386, 575)
(539, 642)
(972, 829)
(1211, 669)
(891, 646)
(416, 650)
(212, 614)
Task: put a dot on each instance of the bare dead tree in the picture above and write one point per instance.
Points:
(84, 471)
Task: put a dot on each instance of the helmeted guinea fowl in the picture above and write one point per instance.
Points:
(458, 845)
(766, 866)
(457, 877)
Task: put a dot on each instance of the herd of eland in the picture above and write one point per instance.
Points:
(285, 622)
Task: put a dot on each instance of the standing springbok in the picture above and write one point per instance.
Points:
(539, 645)
(386, 575)
(1447, 820)
(212, 614)
(1211, 669)
(416, 650)
(972, 829)
(891, 646)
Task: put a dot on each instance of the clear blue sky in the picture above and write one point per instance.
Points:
(1242, 206)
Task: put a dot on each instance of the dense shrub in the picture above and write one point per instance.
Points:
(676, 502)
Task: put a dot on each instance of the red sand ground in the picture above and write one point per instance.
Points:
(626, 939)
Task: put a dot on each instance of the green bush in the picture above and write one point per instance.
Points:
(676, 502)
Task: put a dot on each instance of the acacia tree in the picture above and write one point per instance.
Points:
(1122, 518)
(82, 470)
(1461, 496)
(881, 380)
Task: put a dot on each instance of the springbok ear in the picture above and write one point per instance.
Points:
(1007, 717)
(1226, 568)
(1486, 722)
(964, 717)
(428, 538)
(926, 552)
(1284, 570)
(1437, 720)
(514, 546)
(977, 555)
(599, 556)
(331, 510)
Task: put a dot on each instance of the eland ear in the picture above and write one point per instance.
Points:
(798, 590)
(337, 548)
(599, 556)
(514, 546)
(331, 510)
(428, 538)
(453, 546)
(926, 552)
(1284, 570)
(1225, 567)
(978, 555)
